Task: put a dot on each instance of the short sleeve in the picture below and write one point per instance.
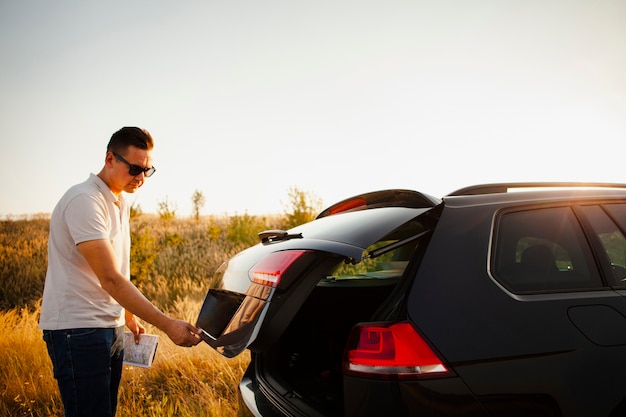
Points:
(87, 218)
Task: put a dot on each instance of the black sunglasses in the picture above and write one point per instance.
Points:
(135, 169)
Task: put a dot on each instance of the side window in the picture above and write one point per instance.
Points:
(617, 213)
(543, 250)
(610, 236)
(561, 256)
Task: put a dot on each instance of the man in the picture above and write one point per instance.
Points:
(88, 296)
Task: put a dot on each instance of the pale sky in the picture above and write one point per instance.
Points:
(246, 99)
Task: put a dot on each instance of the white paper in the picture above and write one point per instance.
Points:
(141, 354)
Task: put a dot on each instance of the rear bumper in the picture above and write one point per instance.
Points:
(434, 397)
(258, 399)
(252, 403)
(247, 399)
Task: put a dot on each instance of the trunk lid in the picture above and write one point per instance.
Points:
(261, 288)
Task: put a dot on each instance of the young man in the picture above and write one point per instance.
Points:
(88, 296)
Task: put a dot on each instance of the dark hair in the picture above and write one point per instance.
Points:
(130, 136)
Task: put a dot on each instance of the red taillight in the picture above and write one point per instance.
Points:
(390, 351)
(270, 269)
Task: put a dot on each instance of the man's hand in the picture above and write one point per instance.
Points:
(182, 333)
(134, 326)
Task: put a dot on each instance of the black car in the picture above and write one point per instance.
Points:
(486, 302)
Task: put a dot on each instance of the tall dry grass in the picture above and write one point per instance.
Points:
(173, 263)
(26, 382)
(181, 382)
(23, 256)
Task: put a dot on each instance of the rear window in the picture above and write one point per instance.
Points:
(386, 259)
(543, 250)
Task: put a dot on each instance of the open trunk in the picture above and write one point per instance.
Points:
(306, 363)
(293, 300)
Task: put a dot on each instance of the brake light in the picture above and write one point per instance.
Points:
(270, 269)
(390, 351)
(348, 205)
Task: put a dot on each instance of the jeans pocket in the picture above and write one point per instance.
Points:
(90, 350)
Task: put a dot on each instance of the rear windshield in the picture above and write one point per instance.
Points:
(386, 260)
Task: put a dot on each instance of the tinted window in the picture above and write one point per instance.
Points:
(611, 237)
(543, 250)
(387, 258)
(617, 213)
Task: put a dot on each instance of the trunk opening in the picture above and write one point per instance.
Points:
(307, 360)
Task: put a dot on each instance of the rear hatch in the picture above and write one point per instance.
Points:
(261, 289)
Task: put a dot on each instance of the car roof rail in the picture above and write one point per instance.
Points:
(500, 188)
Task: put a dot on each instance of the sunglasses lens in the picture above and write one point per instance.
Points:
(149, 172)
(134, 170)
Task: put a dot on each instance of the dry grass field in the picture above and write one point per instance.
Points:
(181, 382)
(172, 263)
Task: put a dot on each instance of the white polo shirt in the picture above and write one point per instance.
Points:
(73, 296)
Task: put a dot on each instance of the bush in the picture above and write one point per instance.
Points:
(23, 261)
(302, 208)
(170, 258)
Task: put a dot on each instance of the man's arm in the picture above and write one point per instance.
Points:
(100, 256)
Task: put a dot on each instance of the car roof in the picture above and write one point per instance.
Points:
(532, 192)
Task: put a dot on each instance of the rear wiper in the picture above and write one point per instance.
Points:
(270, 236)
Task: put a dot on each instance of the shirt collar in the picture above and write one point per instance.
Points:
(105, 190)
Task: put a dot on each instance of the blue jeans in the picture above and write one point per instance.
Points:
(87, 364)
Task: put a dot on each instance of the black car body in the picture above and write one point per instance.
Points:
(484, 302)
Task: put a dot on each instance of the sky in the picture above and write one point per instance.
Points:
(248, 99)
